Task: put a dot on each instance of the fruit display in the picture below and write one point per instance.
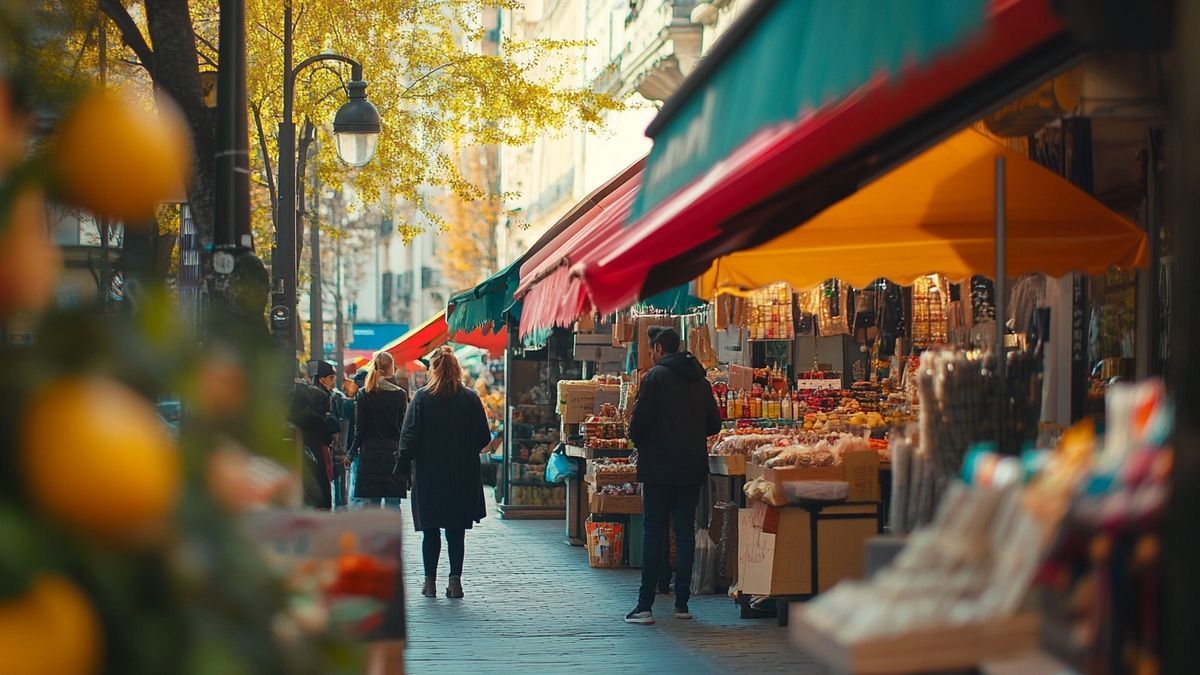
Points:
(612, 466)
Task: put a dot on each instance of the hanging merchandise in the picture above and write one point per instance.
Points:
(622, 330)
(983, 300)
(700, 344)
(1027, 294)
(831, 309)
(771, 313)
(893, 323)
(930, 295)
(731, 312)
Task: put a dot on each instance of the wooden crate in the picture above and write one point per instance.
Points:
(598, 479)
(926, 650)
(614, 504)
(727, 465)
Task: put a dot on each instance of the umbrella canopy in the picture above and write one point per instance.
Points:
(936, 213)
(434, 333)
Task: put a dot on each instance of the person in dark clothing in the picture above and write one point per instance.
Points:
(380, 413)
(349, 411)
(310, 410)
(444, 431)
(673, 417)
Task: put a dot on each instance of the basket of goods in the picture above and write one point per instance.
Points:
(615, 471)
(605, 544)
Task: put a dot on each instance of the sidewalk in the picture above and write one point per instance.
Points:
(534, 606)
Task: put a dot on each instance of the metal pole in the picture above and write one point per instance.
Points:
(231, 79)
(316, 314)
(1001, 284)
(339, 335)
(285, 231)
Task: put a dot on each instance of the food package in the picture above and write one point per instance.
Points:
(816, 490)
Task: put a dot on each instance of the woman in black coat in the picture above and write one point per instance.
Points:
(444, 431)
(379, 413)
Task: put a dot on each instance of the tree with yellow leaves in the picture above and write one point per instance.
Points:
(436, 92)
(471, 233)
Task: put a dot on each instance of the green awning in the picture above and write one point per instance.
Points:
(782, 60)
(486, 303)
(676, 300)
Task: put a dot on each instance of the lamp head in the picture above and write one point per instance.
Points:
(357, 126)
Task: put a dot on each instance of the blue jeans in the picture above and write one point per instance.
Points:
(678, 504)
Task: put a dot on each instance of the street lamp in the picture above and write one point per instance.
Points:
(356, 127)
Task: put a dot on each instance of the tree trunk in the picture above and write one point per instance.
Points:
(176, 71)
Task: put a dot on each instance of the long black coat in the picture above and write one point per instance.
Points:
(442, 439)
(378, 418)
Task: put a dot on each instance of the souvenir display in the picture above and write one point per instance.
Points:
(771, 314)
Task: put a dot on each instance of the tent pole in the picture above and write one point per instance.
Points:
(1001, 284)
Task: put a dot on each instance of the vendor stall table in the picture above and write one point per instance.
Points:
(577, 495)
(772, 563)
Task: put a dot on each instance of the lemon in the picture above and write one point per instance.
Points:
(50, 630)
(116, 158)
(96, 456)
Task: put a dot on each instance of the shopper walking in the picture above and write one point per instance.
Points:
(673, 417)
(444, 431)
(311, 411)
(354, 391)
(379, 416)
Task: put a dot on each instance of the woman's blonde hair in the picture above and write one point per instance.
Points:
(383, 362)
(445, 375)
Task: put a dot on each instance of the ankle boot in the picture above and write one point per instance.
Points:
(454, 590)
(429, 590)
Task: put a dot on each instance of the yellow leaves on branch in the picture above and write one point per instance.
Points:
(436, 90)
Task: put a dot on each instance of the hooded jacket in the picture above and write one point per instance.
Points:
(673, 417)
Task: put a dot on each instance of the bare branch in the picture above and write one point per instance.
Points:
(131, 35)
(442, 67)
(256, 110)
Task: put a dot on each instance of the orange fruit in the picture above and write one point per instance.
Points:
(50, 630)
(29, 261)
(117, 158)
(96, 456)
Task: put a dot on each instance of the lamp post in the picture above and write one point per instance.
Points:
(356, 129)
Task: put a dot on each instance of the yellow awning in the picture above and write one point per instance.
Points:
(936, 213)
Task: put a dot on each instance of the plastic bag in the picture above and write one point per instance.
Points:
(559, 467)
(704, 569)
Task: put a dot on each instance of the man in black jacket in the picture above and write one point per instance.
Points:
(674, 415)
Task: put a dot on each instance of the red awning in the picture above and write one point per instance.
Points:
(420, 341)
(724, 209)
(552, 295)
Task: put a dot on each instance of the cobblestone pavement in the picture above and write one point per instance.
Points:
(533, 605)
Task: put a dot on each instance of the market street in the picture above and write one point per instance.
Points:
(533, 605)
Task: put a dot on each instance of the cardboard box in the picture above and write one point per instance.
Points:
(775, 547)
(859, 469)
(613, 504)
(731, 465)
(578, 400)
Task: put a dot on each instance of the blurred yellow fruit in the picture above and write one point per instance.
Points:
(51, 630)
(29, 261)
(116, 158)
(96, 456)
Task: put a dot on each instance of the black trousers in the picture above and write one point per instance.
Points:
(431, 550)
(675, 504)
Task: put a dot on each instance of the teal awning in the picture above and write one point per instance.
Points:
(786, 58)
(676, 300)
(486, 303)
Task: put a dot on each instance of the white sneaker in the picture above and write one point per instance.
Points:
(640, 616)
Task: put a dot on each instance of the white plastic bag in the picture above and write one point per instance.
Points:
(704, 568)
